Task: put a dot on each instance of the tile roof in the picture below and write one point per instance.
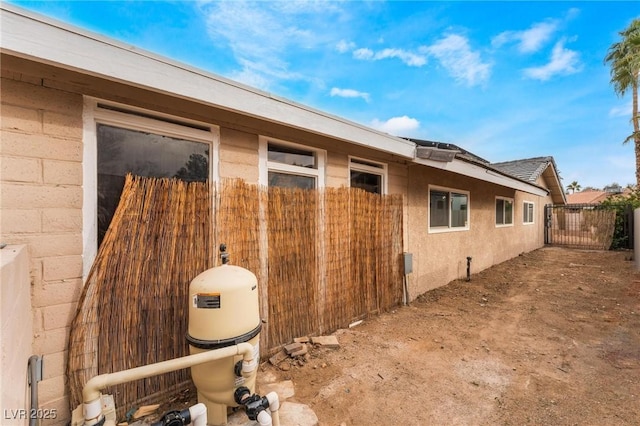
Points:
(586, 197)
(528, 169)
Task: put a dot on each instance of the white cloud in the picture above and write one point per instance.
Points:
(399, 126)
(344, 46)
(530, 40)
(622, 110)
(349, 93)
(363, 53)
(456, 56)
(409, 58)
(260, 35)
(563, 61)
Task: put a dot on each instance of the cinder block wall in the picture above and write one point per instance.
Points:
(41, 207)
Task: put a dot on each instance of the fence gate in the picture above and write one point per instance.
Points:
(589, 226)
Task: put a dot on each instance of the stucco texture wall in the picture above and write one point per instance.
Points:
(439, 258)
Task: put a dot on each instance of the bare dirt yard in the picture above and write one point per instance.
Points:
(551, 337)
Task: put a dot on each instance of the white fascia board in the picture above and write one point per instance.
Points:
(480, 173)
(31, 36)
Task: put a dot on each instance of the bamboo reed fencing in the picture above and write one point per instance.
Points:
(322, 258)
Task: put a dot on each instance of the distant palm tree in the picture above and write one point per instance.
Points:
(624, 58)
(574, 186)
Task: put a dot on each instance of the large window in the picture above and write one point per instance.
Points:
(121, 140)
(448, 209)
(527, 212)
(504, 211)
(367, 175)
(292, 166)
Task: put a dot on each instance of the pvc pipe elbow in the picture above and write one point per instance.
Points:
(198, 413)
(264, 419)
(92, 410)
(274, 406)
(274, 401)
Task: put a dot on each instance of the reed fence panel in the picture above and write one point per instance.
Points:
(322, 258)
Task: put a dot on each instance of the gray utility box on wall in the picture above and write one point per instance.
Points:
(408, 263)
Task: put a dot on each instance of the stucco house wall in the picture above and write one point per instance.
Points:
(440, 257)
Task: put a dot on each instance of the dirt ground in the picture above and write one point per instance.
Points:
(551, 337)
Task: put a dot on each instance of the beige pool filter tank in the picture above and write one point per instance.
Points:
(223, 311)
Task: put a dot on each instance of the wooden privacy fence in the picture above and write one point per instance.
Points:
(589, 226)
(322, 259)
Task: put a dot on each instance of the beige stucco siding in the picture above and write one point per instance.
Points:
(441, 257)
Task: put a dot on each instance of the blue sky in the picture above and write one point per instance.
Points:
(504, 80)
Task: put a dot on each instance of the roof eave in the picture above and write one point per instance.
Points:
(484, 174)
(22, 33)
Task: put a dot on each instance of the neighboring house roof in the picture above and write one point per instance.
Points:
(595, 196)
(586, 197)
(40, 39)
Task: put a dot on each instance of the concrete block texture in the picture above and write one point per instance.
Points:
(20, 169)
(62, 267)
(36, 96)
(56, 292)
(30, 196)
(21, 119)
(20, 221)
(62, 125)
(61, 220)
(51, 341)
(62, 172)
(40, 146)
(58, 316)
(50, 245)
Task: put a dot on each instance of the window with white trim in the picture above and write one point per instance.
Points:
(143, 144)
(504, 211)
(291, 165)
(368, 175)
(527, 212)
(448, 209)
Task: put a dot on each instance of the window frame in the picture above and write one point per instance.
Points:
(504, 210)
(98, 111)
(267, 165)
(448, 228)
(525, 205)
(380, 169)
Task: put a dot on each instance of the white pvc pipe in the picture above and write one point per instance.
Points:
(91, 390)
(264, 419)
(198, 413)
(274, 406)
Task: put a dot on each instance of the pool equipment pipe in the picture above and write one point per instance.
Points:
(91, 395)
(195, 415)
(256, 406)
